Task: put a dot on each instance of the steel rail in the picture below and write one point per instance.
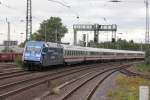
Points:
(131, 73)
(13, 72)
(5, 95)
(111, 70)
(14, 75)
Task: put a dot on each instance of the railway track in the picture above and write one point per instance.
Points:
(82, 88)
(46, 80)
(10, 73)
(7, 65)
(130, 73)
(13, 74)
(16, 87)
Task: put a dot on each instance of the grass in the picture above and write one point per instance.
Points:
(127, 88)
(143, 67)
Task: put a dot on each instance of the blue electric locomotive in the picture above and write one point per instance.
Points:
(42, 53)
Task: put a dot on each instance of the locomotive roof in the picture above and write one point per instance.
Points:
(42, 43)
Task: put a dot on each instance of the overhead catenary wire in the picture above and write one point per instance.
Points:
(60, 3)
(66, 5)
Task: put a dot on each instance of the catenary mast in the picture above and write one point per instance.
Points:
(147, 23)
(29, 20)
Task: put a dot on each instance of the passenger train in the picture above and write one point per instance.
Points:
(39, 53)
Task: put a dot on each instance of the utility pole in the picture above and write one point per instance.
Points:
(147, 33)
(147, 23)
(56, 37)
(87, 41)
(45, 32)
(29, 20)
(8, 37)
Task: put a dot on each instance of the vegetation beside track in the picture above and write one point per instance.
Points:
(19, 63)
(143, 67)
(127, 88)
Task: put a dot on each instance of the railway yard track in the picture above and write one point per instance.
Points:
(8, 67)
(67, 83)
(134, 74)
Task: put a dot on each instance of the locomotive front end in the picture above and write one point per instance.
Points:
(32, 53)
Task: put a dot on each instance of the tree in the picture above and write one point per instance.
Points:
(51, 30)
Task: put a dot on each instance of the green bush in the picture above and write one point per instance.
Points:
(143, 67)
(19, 62)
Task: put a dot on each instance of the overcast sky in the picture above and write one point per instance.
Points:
(129, 15)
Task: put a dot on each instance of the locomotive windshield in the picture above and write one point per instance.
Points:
(33, 47)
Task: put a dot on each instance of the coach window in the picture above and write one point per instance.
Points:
(67, 52)
(70, 53)
(73, 52)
